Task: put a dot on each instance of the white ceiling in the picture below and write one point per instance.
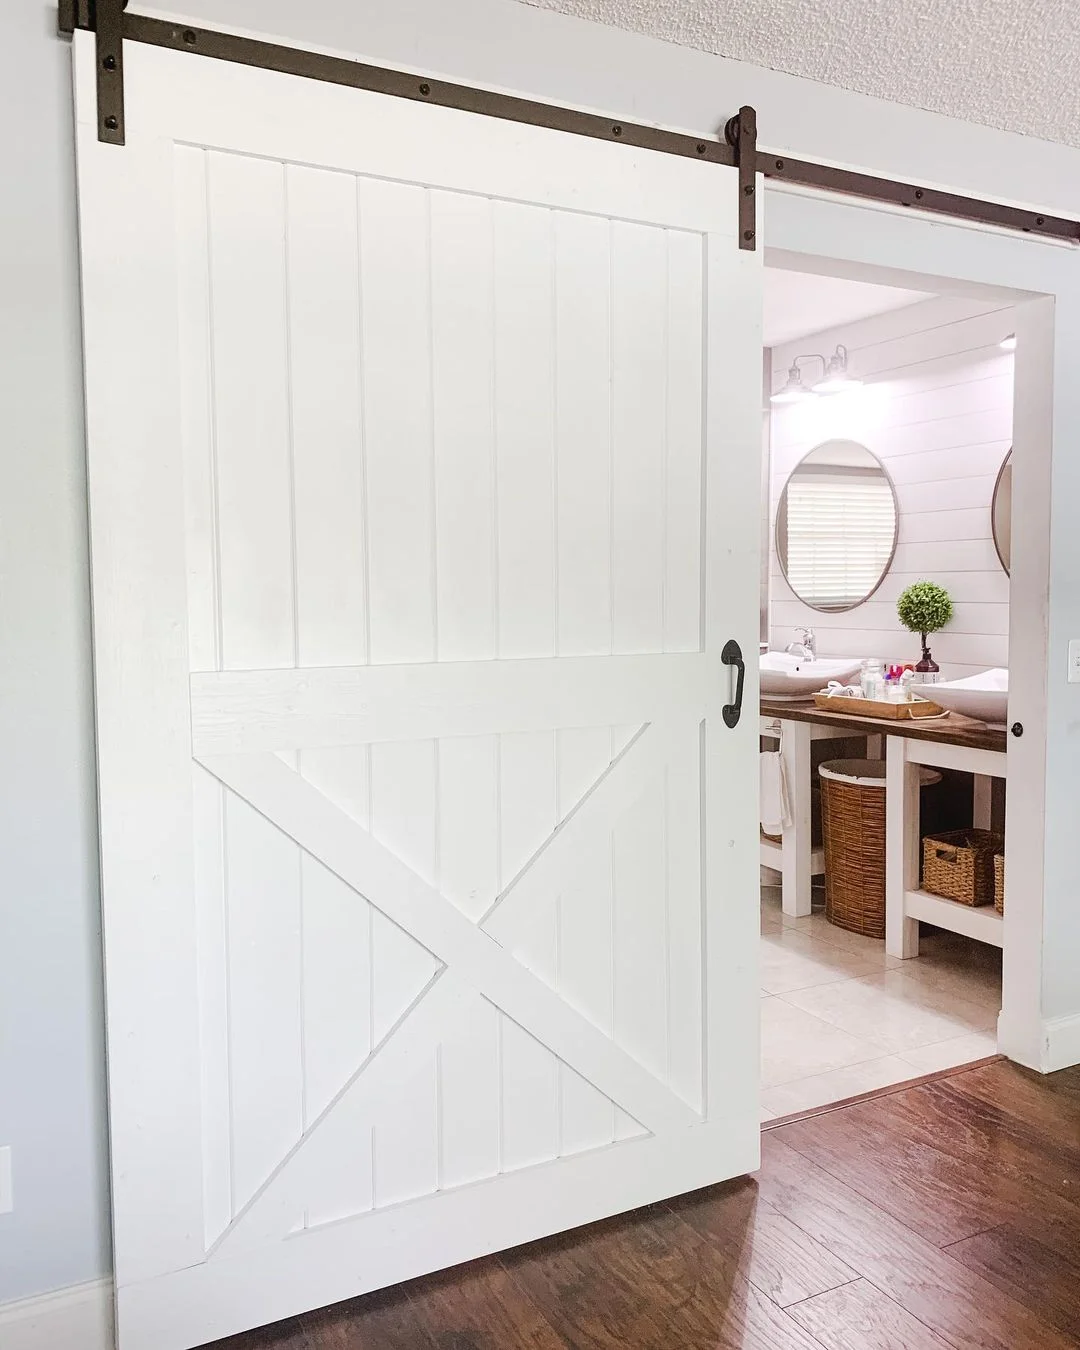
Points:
(799, 303)
(1011, 64)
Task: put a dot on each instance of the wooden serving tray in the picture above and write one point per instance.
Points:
(865, 707)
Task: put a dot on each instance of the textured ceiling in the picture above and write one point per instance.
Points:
(1012, 64)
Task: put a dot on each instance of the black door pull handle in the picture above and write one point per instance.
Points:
(732, 656)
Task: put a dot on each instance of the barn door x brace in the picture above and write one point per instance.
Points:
(113, 26)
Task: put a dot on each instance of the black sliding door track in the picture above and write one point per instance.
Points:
(113, 27)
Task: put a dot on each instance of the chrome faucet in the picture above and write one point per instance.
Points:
(806, 648)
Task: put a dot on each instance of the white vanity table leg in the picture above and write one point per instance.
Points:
(797, 838)
(984, 790)
(902, 842)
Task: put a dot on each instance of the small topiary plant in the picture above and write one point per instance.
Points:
(924, 608)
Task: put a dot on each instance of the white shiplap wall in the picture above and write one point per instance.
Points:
(936, 409)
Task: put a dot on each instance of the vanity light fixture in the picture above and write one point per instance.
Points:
(834, 377)
(836, 374)
(794, 391)
(1008, 344)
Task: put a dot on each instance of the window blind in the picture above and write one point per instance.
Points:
(840, 533)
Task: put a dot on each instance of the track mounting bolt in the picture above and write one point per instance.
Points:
(111, 123)
(189, 36)
(425, 89)
(109, 63)
(748, 235)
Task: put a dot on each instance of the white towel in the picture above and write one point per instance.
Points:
(775, 808)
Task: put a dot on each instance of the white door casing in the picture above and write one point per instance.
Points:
(423, 466)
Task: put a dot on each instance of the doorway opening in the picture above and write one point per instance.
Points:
(888, 434)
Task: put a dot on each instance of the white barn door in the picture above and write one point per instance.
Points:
(423, 456)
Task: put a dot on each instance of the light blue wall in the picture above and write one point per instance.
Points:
(52, 1111)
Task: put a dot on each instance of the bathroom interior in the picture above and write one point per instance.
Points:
(887, 463)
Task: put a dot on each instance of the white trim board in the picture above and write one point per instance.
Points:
(1061, 1044)
(79, 1317)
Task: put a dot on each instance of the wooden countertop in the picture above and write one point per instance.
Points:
(952, 730)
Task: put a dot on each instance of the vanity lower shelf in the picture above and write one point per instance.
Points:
(772, 855)
(981, 922)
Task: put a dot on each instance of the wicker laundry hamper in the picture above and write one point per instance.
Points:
(853, 815)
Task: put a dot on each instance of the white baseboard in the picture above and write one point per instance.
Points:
(1042, 1046)
(77, 1318)
(1062, 1044)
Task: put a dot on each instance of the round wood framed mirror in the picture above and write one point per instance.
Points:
(836, 526)
(1001, 514)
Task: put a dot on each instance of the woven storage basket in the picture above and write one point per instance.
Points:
(853, 815)
(999, 882)
(960, 865)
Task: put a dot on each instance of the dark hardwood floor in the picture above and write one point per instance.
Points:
(946, 1214)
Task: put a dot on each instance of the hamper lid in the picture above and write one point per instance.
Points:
(869, 772)
(865, 772)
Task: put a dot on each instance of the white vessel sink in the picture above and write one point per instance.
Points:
(984, 696)
(788, 676)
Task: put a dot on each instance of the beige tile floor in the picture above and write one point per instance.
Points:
(840, 1017)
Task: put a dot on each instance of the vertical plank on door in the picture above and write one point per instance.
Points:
(196, 409)
(211, 921)
(246, 205)
(524, 428)
(584, 933)
(462, 357)
(396, 338)
(468, 822)
(263, 902)
(685, 915)
(640, 907)
(527, 797)
(324, 352)
(336, 947)
(340, 1182)
(396, 344)
(197, 432)
(529, 1070)
(639, 418)
(336, 954)
(249, 318)
(529, 1098)
(403, 814)
(469, 1115)
(323, 262)
(462, 353)
(583, 432)
(639, 514)
(405, 1146)
(683, 460)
